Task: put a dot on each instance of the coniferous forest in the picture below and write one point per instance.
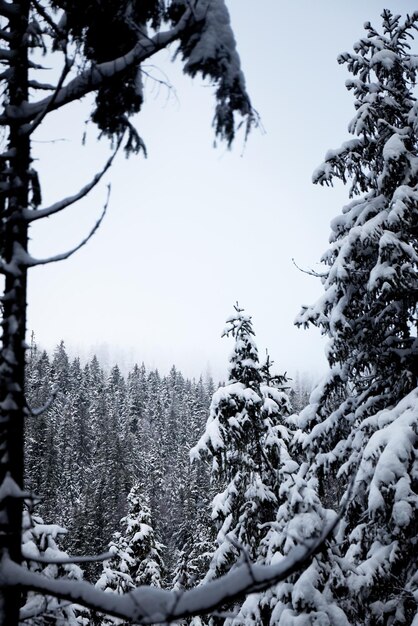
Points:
(105, 434)
(136, 498)
(149, 469)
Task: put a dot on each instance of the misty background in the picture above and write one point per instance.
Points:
(194, 228)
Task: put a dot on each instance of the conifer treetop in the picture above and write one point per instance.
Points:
(244, 363)
(385, 124)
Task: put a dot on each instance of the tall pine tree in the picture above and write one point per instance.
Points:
(137, 555)
(363, 418)
(41, 542)
(243, 440)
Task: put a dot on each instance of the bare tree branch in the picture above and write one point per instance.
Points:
(6, 55)
(5, 35)
(31, 215)
(44, 86)
(28, 261)
(310, 272)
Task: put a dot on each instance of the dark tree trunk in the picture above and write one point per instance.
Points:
(15, 192)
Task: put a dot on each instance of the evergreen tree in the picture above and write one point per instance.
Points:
(194, 539)
(38, 435)
(243, 440)
(91, 520)
(299, 519)
(82, 441)
(148, 568)
(137, 555)
(40, 541)
(306, 599)
(362, 420)
(136, 390)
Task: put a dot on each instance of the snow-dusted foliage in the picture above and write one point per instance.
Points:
(40, 542)
(302, 600)
(139, 534)
(137, 555)
(212, 52)
(100, 436)
(362, 422)
(245, 439)
(306, 599)
(195, 538)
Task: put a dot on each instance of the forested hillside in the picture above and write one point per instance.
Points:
(103, 433)
(177, 478)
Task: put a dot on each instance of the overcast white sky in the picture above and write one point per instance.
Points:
(193, 229)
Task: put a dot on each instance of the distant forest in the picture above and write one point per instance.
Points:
(104, 432)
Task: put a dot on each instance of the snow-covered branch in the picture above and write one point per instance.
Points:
(66, 559)
(96, 75)
(148, 605)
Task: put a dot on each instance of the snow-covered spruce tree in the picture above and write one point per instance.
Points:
(196, 535)
(306, 599)
(300, 518)
(38, 432)
(100, 50)
(243, 439)
(40, 541)
(363, 418)
(137, 555)
(148, 568)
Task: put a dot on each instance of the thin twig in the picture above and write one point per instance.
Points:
(44, 407)
(66, 255)
(31, 215)
(309, 272)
